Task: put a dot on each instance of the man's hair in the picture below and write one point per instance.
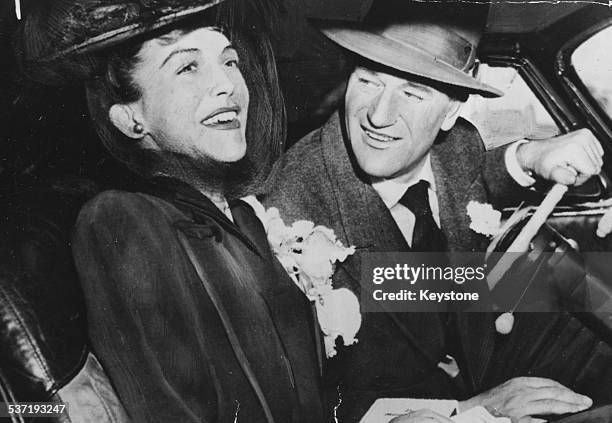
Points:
(115, 84)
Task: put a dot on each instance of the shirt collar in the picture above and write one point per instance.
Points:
(392, 190)
(175, 190)
(221, 203)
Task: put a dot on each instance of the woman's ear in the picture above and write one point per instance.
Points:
(454, 110)
(125, 119)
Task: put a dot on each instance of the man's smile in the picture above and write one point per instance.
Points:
(377, 139)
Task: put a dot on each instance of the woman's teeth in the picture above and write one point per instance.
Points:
(224, 117)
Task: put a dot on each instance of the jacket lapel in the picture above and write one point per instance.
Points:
(192, 233)
(281, 296)
(226, 321)
(368, 225)
(458, 182)
(197, 206)
(249, 225)
(287, 306)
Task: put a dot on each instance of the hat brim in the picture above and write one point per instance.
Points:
(405, 58)
(124, 33)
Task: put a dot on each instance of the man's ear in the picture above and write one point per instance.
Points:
(454, 110)
(125, 119)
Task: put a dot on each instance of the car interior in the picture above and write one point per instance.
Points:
(545, 56)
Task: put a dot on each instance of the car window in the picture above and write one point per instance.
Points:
(518, 114)
(593, 64)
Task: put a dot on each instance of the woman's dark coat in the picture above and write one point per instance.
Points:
(190, 314)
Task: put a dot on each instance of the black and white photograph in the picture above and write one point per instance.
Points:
(306, 211)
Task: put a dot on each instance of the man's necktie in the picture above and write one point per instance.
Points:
(426, 236)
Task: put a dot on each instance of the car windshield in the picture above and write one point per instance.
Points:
(593, 63)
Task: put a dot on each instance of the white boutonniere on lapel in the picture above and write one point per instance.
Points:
(484, 219)
(309, 254)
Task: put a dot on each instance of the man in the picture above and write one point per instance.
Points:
(390, 169)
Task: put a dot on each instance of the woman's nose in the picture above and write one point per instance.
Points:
(383, 110)
(220, 81)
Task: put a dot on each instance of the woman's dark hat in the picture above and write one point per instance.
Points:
(58, 35)
(63, 27)
(424, 40)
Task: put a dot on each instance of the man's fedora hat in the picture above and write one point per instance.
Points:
(432, 41)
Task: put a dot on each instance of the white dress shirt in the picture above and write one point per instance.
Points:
(392, 190)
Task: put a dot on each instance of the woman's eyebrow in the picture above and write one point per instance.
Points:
(229, 47)
(179, 51)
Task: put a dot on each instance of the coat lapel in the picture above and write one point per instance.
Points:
(368, 225)
(226, 320)
(458, 182)
(249, 225)
(198, 228)
(287, 306)
(197, 206)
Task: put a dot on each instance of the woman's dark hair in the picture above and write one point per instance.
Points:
(266, 124)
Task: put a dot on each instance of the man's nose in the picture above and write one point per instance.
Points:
(220, 80)
(383, 110)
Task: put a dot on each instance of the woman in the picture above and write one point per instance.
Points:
(189, 312)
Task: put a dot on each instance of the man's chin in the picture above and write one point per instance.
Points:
(376, 169)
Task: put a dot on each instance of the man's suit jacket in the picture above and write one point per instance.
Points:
(190, 314)
(397, 353)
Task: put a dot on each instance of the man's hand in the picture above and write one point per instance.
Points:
(523, 397)
(568, 159)
(419, 416)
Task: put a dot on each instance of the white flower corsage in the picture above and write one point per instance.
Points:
(309, 252)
